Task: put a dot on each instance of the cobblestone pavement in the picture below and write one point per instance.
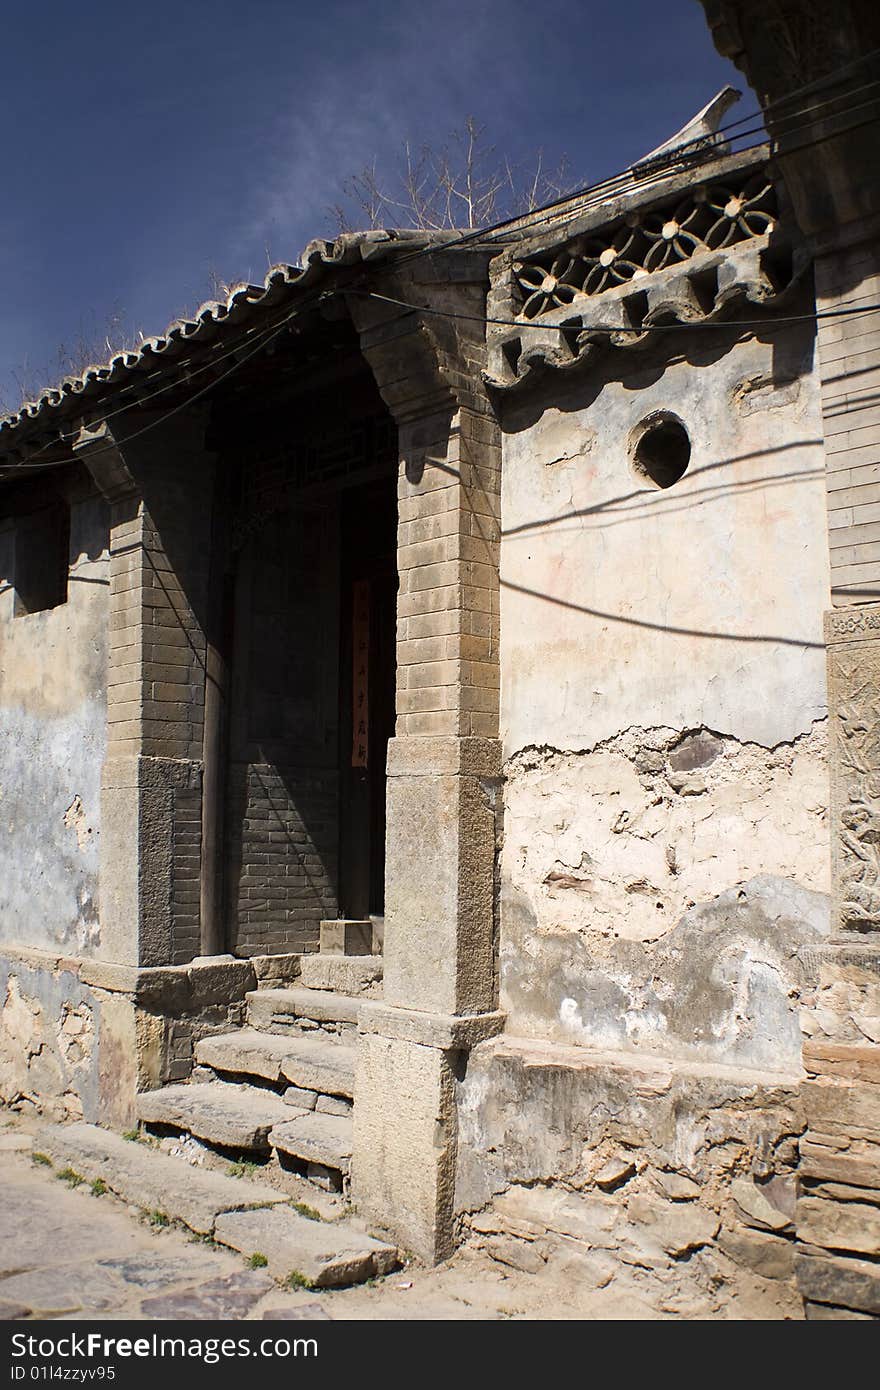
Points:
(67, 1252)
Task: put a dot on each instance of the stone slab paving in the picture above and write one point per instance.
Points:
(95, 1256)
(231, 1296)
(68, 1254)
(324, 1255)
(140, 1174)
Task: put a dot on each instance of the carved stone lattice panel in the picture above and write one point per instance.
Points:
(854, 702)
(705, 289)
(711, 217)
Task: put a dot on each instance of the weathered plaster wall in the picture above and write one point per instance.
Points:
(698, 605)
(665, 831)
(636, 915)
(52, 741)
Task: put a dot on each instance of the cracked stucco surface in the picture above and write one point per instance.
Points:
(620, 841)
(665, 844)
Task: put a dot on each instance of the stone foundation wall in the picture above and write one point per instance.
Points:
(838, 1210)
(49, 1028)
(606, 1166)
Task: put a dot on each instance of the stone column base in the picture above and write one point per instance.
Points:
(405, 1130)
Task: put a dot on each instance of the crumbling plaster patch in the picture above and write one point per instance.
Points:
(48, 1044)
(656, 888)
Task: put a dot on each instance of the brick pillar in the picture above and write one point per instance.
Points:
(159, 491)
(443, 768)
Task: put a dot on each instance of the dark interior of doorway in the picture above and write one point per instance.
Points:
(368, 600)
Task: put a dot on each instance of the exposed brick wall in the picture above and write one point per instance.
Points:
(448, 605)
(185, 866)
(282, 852)
(849, 351)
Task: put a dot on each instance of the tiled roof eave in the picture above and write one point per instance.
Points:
(214, 321)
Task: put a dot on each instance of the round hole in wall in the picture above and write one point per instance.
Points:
(660, 449)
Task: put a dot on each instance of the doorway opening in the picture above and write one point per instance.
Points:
(367, 666)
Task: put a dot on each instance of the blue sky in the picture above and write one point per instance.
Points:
(147, 145)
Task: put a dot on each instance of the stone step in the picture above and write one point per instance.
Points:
(353, 975)
(314, 1063)
(245, 1052)
(322, 1255)
(281, 1008)
(235, 1117)
(140, 1175)
(314, 1138)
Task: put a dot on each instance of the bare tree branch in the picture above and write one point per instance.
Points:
(462, 184)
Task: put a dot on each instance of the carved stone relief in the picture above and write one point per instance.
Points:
(854, 691)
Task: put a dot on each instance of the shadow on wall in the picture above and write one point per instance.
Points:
(281, 856)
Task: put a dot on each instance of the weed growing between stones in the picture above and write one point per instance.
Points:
(243, 1168)
(132, 1135)
(70, 1176)
(98, 1187)
(295, 1280)
(305, 1210)
(43, 1159)
(258, 1260)
(158, 1218)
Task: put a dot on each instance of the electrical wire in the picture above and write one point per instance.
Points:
(520, 225)
(850, 312)
(625, 182)
(261, 340)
